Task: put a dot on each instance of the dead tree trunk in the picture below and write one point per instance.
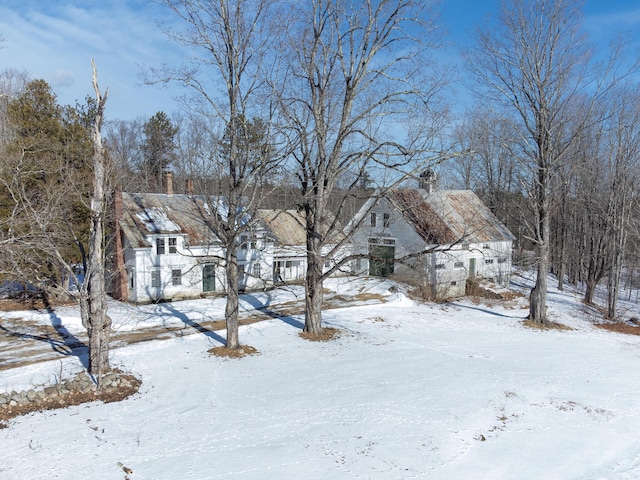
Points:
(98, 323)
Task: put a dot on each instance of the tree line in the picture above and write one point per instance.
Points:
(309, 105)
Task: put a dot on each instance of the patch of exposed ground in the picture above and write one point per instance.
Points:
(620, 327)
(327, 334)
(241, 351)
(545, 326)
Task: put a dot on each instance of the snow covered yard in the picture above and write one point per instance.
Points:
(459, 390)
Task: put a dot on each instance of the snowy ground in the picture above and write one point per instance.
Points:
(455, 391)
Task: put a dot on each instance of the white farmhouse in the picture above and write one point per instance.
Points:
(435, 239)
(166, 248)
(286, 235)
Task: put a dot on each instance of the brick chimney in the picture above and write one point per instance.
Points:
(168, 177)
(427, 181)
(189, 186)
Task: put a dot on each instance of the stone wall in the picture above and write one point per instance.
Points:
(115, 386)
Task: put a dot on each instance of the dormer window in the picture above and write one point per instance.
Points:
(159, 246)
(173, 245)
(373, 219)
(385, 220)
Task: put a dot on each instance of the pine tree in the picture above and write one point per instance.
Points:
(158, 148)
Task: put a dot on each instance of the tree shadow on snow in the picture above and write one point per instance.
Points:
(193, 324)
(483, 310)
(66, 344)
(263, 308)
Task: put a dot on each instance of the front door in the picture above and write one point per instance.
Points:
(208, 278)
(472, 267)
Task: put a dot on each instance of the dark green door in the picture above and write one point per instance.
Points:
(208, 278)
(381, 260)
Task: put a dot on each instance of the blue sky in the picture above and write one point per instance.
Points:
(56, 40)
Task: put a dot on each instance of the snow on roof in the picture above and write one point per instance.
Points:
(156, 220)
(147, 214)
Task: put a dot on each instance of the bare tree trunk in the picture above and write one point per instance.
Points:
(98, 322)
(231, 307)
(313, 289)
(591, 284)
(538, 296)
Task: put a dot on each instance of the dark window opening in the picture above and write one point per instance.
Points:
(160, 246)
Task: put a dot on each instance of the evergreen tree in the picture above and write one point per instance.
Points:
(44, 203)
(158, 148)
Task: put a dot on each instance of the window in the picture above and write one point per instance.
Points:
(454, 283)
(439, 266)
(485, 246)
(155, 278)
(256, 270)
(385, 220)
(160, 246)
(488, 261)
(373, 219)
(253, 245)
(458, 265)
(173, 245)
(132, 279)
(176, 277)
(243, 242)
(502, 260)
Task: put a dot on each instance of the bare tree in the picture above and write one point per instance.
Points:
(354, 70)
(122, 140)
(93, 292)
(232, 39)
(606, 177)
(486, 164)
(536, 63)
